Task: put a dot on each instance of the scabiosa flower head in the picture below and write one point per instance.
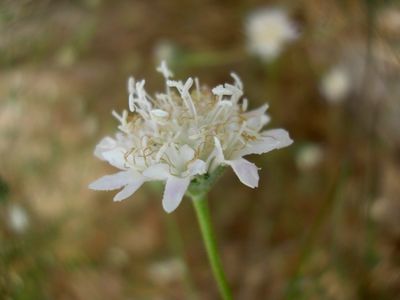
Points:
(268, 30)
(184, 132)
(335, 85)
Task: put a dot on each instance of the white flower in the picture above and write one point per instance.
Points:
(167, 271)
(186, 131)
(17, 218)
(309, 156)
(268, 30)
(164, 50)
(335, 85)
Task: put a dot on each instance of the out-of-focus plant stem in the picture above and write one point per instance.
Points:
(175, 239)
(291, 291)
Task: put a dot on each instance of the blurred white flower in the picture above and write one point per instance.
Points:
(164, 50)
(167, 271)
(335, 85)
(386, 212)
(186, 131)
(308, 157)
(18, 219)
(268, 31)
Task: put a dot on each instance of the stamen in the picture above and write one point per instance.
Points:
(117, 116)
(163, 69)
(197, 83)
(184, 92)
(237, 80)
(245, 104)
(188, 98)
(131, 103)
(131, 85)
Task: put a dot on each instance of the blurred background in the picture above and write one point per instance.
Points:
(325, 221)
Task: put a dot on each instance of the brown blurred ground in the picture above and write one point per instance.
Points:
(326, 231)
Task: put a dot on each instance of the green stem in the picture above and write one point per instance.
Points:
(176, 242)
(203, 216)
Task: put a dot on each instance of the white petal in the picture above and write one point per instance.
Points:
(115, 158)
(257, 118)
(105, 144)
(112, 182)
(280, 135)
(246, 171)
(157, 172)
(260, 146)
(186, 153)
(197, 167)
(257, 112)
(258, 122)
(271, 139)
(128, 190)
(173, 154)
(173, 193)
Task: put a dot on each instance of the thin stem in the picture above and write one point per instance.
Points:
(203, 216)
(175, 238)
(306, 251)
